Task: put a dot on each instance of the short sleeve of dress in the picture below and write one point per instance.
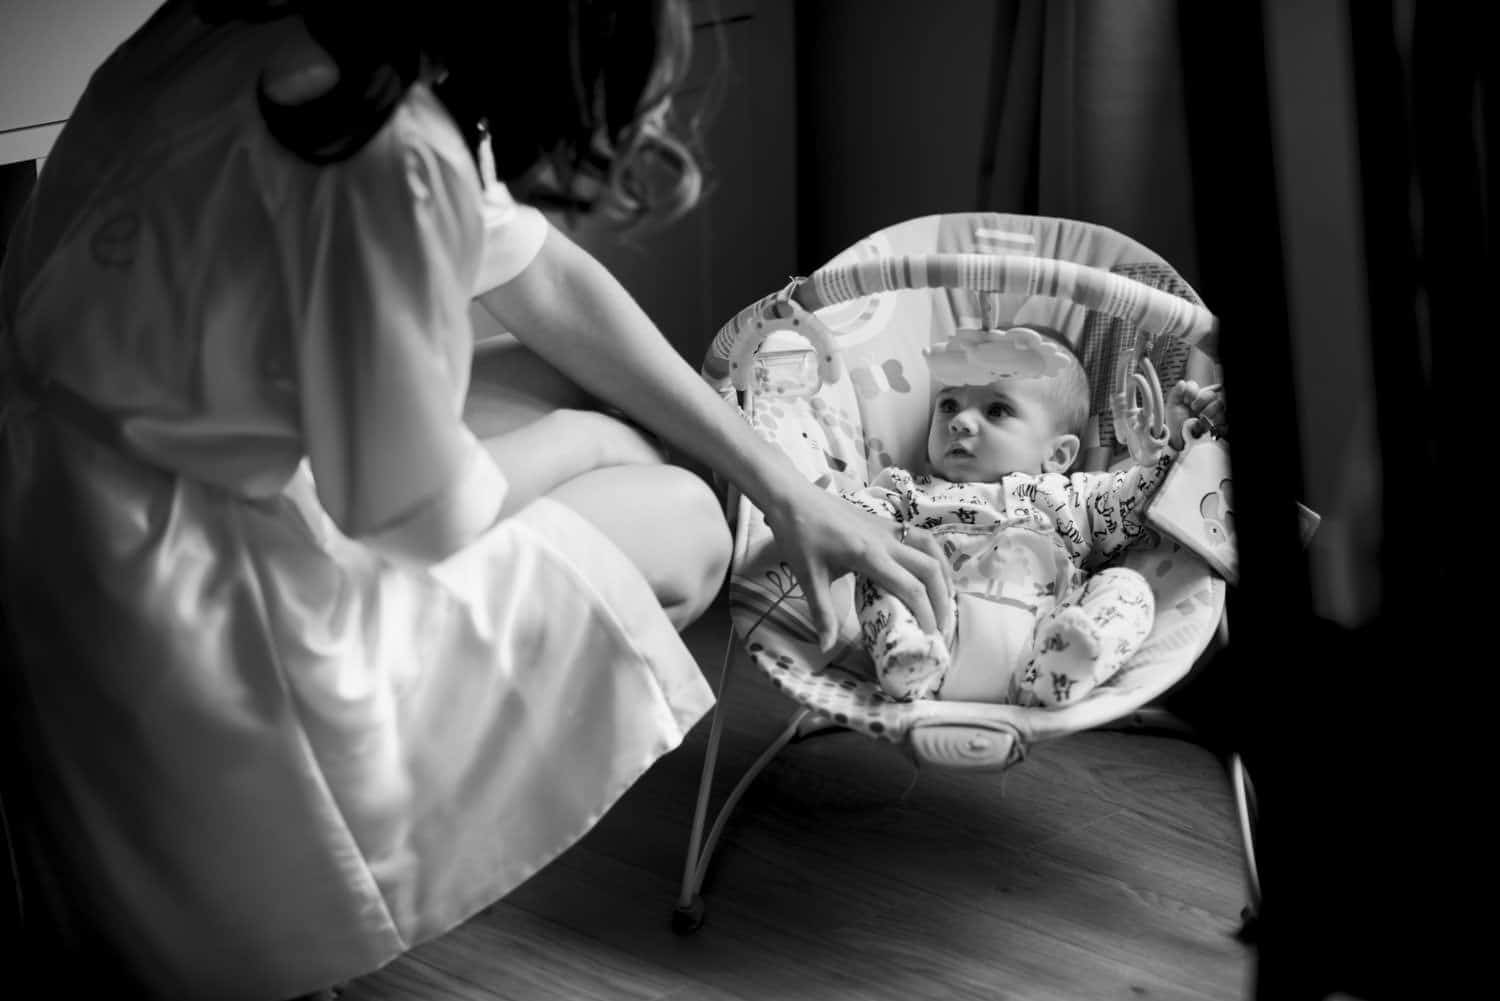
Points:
(389, 250)
(513, 233)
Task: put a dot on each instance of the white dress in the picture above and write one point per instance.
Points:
(270, 758)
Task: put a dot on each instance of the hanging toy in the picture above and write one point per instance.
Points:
(1139, 407)
(800, 371)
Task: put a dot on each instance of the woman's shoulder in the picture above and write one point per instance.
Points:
(300, 95)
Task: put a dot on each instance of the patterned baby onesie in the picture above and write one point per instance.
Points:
(1029, 542)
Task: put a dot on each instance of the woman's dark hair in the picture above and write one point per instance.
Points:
(575, 95)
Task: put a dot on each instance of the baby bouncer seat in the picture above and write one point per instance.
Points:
(831, 371)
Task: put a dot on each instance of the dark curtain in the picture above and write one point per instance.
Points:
(1357, 737)
(1159, 119)
(1086, 120)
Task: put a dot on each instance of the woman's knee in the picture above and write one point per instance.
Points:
(690, 583)
(668, 521)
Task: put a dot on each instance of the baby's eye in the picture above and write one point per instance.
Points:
(947, 406)
(997, 411)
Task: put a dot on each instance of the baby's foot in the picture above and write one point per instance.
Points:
(911, 664)
(1071, 633)
(1067, 656)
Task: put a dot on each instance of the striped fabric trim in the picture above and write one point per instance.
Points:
(1158, 312)
(1153, 310)
(1003, 241)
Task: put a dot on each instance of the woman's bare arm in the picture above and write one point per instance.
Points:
(573, 313)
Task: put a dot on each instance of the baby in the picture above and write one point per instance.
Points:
(1021, 536)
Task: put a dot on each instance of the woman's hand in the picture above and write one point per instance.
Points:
(825, 537)
(1188, 401)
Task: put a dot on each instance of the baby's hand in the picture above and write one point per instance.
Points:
(1188, 401)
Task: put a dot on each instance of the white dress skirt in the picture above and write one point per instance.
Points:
(268, 758)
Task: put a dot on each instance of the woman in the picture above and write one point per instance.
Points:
(310, 670)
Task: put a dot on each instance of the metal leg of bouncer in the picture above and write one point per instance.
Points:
(1244, 808)
(689, 913)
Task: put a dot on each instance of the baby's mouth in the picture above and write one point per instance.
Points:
(958, 449)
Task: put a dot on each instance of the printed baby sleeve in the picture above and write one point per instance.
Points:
(513, 233)
(1099, 514)
(392, 239)
(880, 503)
(883, 497)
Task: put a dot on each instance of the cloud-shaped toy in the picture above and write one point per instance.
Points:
(980, 357)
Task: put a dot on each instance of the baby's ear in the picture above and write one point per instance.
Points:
(1064, 451)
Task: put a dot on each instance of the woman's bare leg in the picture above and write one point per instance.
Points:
(668, 522)
(511, 386)
(665, 519)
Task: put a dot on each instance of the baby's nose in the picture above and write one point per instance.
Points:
(962, 422)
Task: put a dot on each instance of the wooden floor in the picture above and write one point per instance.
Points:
(1106, 865)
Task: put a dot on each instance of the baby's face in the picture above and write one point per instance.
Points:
(982, 433)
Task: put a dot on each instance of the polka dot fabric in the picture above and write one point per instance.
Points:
(847, 699)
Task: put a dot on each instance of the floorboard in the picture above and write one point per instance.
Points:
(1107, 865)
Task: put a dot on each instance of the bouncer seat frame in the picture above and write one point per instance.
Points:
(830, 370)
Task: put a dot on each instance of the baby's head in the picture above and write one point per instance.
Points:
(1008, 401)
